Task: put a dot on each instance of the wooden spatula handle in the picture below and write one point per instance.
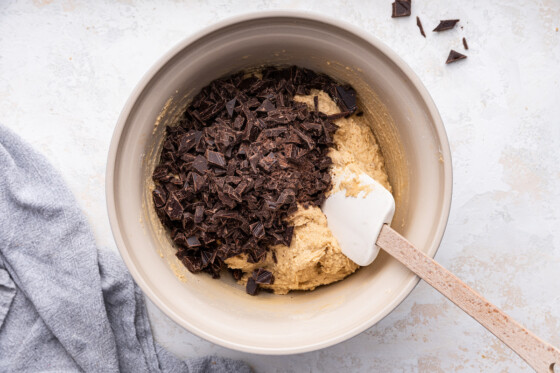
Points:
(537, 353)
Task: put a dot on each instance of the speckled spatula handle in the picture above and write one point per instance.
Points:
(538, 354)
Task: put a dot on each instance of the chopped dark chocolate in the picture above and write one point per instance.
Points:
(401, 8)
(252, 287)
(347, 96)
(174, 208)
(242, 158)
(316, 104)
(454, 56)
(257, 229)
(419, 24)
(230, 105)
(193, 242)
(465, 44)
(262, 276)
(216, 158)
(266, 106)
(200, 164)
(160, 196)
(445, 25)
(199, 214)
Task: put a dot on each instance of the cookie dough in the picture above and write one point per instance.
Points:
(314, 257)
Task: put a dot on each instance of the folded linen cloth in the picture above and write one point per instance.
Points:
(64, 305)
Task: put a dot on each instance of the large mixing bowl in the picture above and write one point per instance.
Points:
(409, 131)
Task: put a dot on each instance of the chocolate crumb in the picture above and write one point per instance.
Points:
(445, 25)
(237, 274)
(454, 56)
(419, 24)
(465, 44)
(401, 8)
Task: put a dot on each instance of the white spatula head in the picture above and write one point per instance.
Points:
(357, 221)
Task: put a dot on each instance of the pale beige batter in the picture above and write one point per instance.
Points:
(314, 258)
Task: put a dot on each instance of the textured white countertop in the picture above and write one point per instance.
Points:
(67, 67)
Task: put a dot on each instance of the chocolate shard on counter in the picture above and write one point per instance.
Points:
(454, 56)
(465, 44)
(242, 158)
(445, 25)
(401, 8)
(419, 24)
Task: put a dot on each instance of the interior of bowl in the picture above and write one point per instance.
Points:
(409, 132)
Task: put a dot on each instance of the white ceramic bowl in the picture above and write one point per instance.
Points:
(408, 128)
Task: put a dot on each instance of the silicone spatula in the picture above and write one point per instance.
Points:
(361, 224)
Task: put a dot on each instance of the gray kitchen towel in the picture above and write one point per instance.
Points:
(64, 305)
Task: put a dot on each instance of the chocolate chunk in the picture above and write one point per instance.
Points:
(200, 164)
(465, 44)
(287, 196)
(454, 56)
(401, 8)
(252, 287)
(447, 24)
(193, 264)
(316, 104)
(347, 98)
(215, 158)
(307, 139)
(199, 214)
(257, 229)
(174, 208)
(266, 106)
(262, 276)
(207, 257)
(230, 105)
(419, 24)
(198, 182)
(160, 196)
(187, 142)
(309, 126)
(180, 239)
(267, 162)
(193, 242)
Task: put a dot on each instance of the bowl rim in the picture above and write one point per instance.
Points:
(145, 81)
